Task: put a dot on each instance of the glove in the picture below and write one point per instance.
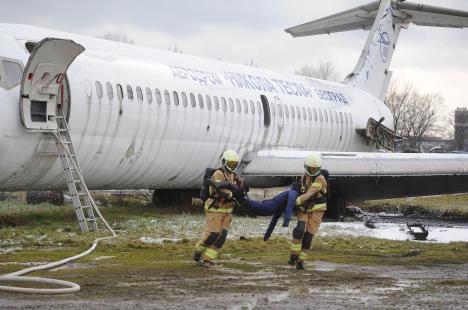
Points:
(298, 202)
(238, 191)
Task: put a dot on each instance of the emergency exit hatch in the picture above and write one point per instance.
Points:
(42, 86)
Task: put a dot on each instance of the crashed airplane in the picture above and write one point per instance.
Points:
(144, 118)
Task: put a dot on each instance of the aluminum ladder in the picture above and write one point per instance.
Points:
(83, 203)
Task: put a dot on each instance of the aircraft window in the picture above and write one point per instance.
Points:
(231, 105)
(119, 91)
(252, 107)
(272, 109)
(184, 99)
(280, 110)
(99, 91)
(238, 104)
(129, 92)
(139, 94)
(341, 118)
(293, 115)
(167, 97)
(346, 118)
(286, 111)
(208, 102)
(149, 95)
(200, 101)
(110, 91)
(320, 114)
(175, 95)
(331, 116)
(266, 111)
(223, 103)
(13, 73)
(304, 113)
(315, 114)
(246, 107)
(216, 103)
(309, 114)
(259, 108)
(193, 102)
(298, 112)
(157, 95)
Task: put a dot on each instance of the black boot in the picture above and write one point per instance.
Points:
(300, 266)
(293, 259)
(196, 256)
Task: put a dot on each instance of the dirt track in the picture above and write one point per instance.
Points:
(323, 286)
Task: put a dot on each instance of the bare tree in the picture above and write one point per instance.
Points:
(117, 36)
(175, 49)
(415, 114)
(324, 71)
(449, 125)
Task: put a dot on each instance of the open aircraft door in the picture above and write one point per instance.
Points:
(43, 80)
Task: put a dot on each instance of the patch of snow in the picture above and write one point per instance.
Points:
(175, 228)
(150, 240)
(9, 250)
(393, 232)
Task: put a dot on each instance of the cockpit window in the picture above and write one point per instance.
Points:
(11, 74)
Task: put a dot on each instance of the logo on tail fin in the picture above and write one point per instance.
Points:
(384, 41)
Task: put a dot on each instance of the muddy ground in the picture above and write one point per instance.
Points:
(240, 284)
(148, 266)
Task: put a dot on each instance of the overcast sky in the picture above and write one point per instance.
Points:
(434, 59)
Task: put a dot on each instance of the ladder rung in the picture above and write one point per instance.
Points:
(59, 117)
(86, 207)
(90, 220)
(62, 130)
(77, 181)
(81, 194)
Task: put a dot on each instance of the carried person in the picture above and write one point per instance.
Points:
(282, 204)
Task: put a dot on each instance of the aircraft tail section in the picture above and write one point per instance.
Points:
(384, 19)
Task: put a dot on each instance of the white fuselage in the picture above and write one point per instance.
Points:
(124, 143)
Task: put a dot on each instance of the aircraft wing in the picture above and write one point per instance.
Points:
(362, 17)
(427, 15)
(371, 175)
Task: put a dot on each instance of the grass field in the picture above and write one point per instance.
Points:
(441, 205)
(151, 259)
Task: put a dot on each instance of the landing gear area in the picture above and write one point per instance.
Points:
(335, 206)
(174, 198)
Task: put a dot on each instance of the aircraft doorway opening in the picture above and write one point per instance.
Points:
(266, 111)
(44, 85)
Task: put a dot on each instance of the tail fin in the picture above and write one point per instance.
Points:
(385, 19)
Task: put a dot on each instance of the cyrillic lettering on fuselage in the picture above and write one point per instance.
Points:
(331, 96)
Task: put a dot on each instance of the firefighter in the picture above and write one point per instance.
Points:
(311, 205)
(218, 209)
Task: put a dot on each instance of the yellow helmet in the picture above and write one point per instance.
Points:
(230, 160)
(313, 164)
